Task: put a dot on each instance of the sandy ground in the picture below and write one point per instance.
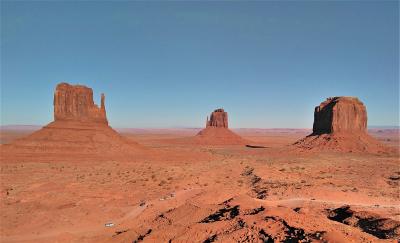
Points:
(197, 193)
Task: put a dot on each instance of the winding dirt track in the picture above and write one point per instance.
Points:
(179, 198)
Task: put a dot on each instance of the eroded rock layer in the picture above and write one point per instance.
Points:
(217, 132)
(79, 127)
(218, 118)
(340, 114)
(75, 103)
(340, 124)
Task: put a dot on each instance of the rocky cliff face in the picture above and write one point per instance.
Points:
(75, 103)
(218, 118)
(79, 128)
(340, 124)
(217, 131)
(340, 115)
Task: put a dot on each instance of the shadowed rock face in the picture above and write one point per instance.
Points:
(340, 115)
(218, 118)
(340, 124)
(75, 103)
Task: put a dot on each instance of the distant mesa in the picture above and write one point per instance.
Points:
(79, 127)
(340, 124)
(217, 131)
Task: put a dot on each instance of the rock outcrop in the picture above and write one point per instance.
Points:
(75, 103)
(217, 132)
(340, 115)
(79, 127)
(340, 124)
(218, 118)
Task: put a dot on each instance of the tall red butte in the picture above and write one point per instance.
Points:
(79, 127)
(340, 124)
(217, 131)
(75, 103)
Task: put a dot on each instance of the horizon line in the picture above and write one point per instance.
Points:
(190, 127)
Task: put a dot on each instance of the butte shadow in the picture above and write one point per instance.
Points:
(80, 127)
(340, 124)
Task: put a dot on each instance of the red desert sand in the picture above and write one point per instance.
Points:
(78, 180)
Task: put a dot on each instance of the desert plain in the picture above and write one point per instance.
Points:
(174, 191)
(77, 179)
(199, 121)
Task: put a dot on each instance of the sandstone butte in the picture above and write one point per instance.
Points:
(218, 118)
(79, 127)
(217, 131)
(340, 124)
(75, 103)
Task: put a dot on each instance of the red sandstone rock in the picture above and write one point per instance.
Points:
(340, 115)
(79, 127)
(218, 118)
(340, 124)
(217, 132)
(75, 103)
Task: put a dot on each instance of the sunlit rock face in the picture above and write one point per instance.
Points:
(75, 103)
(218, 118)
(340, 125)
(80, 128)
(340, 115)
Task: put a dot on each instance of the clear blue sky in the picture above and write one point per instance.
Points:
(169, 64)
